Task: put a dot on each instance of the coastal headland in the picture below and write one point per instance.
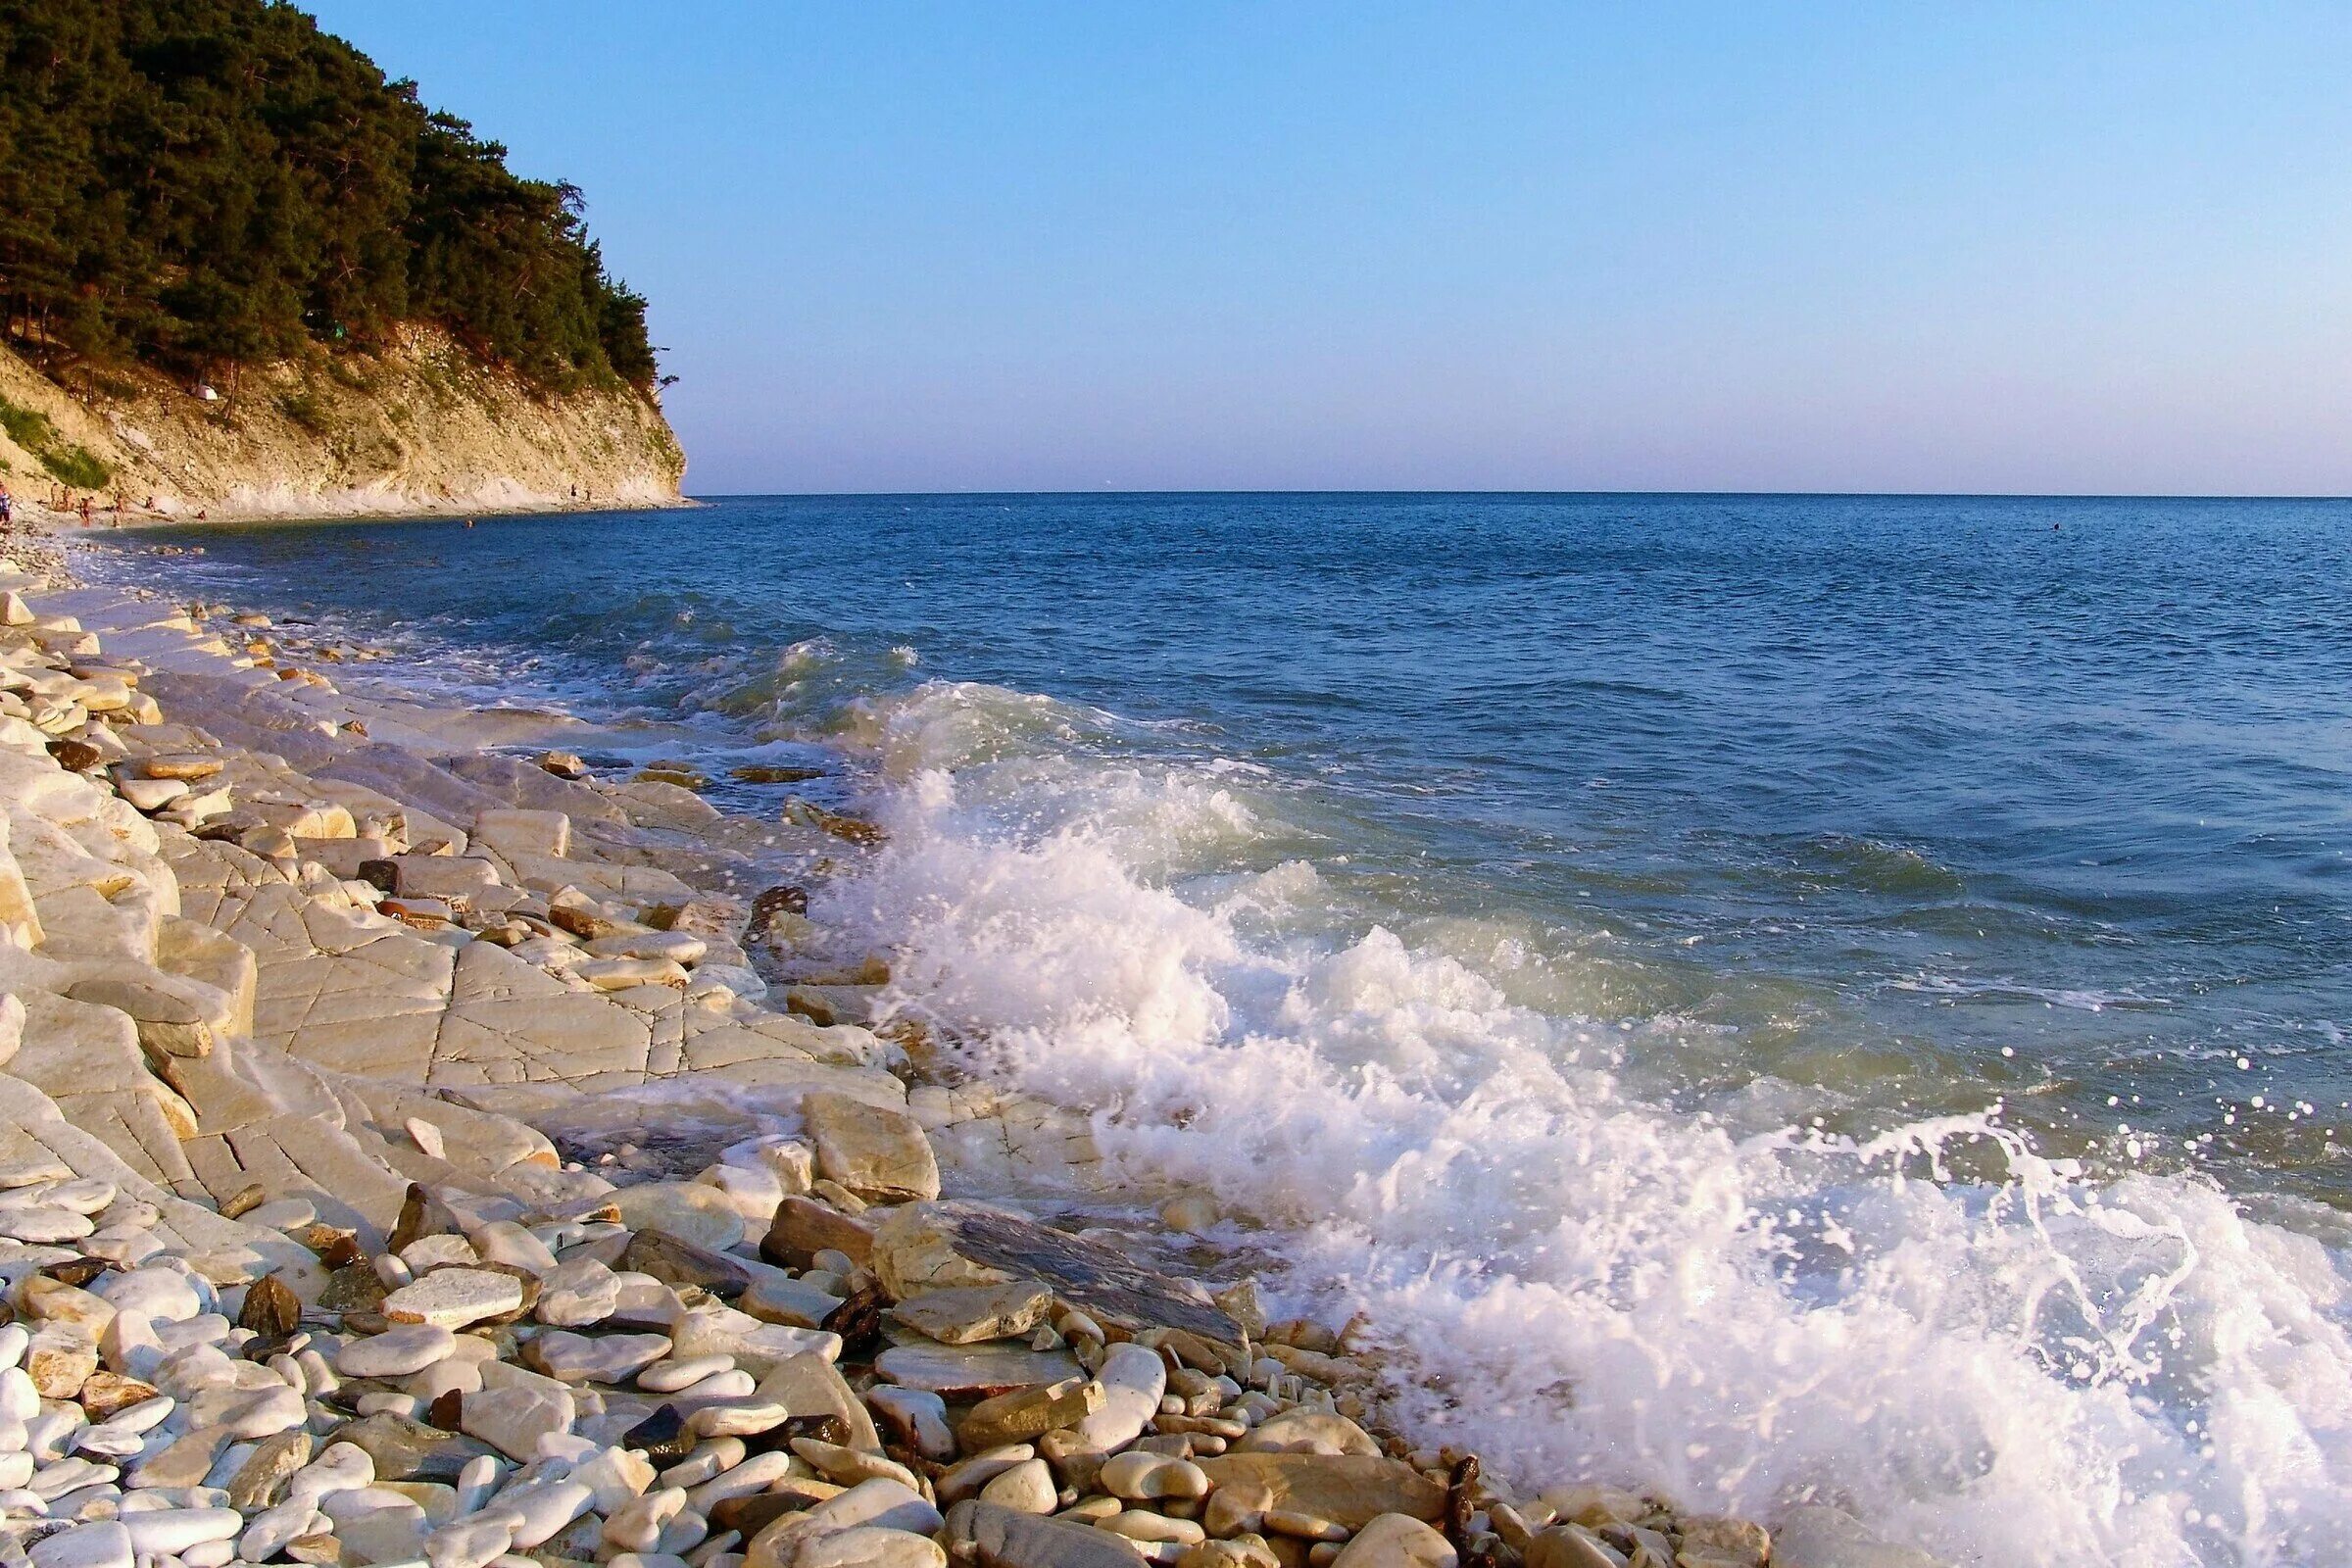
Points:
(419, 427)
(418, 1145)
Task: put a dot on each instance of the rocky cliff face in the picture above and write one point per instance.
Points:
(423, 427)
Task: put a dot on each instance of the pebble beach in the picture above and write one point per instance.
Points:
(335, 1230)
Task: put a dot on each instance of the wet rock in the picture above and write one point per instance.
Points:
(266, 1469)
(972, 1313)
(271, 1309)
(915, 1419)
(879, 1155)
(962, 1375)
(677, 1262)
(1818, 1536)
(1027, 1412)
(403, 1449)
(803, 1227)
(930, 1246)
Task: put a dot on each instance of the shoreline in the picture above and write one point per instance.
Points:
(483, 971)
(67, 524)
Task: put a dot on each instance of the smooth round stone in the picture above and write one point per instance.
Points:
(1398, 1541)
(85, 1195)
(691, 1212)
(396, 1353)
(44, 1223)
(174, 1529)
(668, 1377)
(1140, 1523)
(430, 1251)
(1139, 1476)
(600, 1358)
(162, 1294)
(98, 1545)
(869, 1546)
(505, 1242)
(1027, 1487)
(577, 1292)
(469, 1543)
(637, 1525)
(343, 1467)
(539, 1510)
(268, 1532)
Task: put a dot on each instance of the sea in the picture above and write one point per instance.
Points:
(1766, 997)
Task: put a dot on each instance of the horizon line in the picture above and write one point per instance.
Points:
(1746, 495)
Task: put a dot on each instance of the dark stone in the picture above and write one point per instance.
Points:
(858, 1319)
(662, 1436)
(826, 1428)
(381, 875)
(271, 1309)
(447, 1412)
(754, 1513)
(783, 899)
(422, 1214)
(410, 1450)
(769, 773)
(335, 1245)
(985, 1535)
(803, 1227)
(81, 1271)
(1105, 1284)
(76, 756)
(356, 1288)
(1461, 1500)
(677, 1263)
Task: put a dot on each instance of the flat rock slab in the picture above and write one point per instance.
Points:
(453, 1298)
(973, 1374)
(970, 1313)
(1106, 1284)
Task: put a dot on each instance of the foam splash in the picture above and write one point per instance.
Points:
(1981, 1350)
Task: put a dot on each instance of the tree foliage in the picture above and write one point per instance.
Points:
(207, 183)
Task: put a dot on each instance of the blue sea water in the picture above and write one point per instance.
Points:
(1845, 995)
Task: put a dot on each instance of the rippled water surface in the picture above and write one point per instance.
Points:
(1834, 954)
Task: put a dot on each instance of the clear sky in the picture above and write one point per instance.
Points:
(1756, 245)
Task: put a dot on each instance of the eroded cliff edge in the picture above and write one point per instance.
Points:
(422, 426)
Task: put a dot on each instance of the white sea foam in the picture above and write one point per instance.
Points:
(1583, 1279)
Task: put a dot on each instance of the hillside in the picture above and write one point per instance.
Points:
(423, 426)
(244, 274)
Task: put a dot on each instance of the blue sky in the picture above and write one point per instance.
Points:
(1989, 247)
